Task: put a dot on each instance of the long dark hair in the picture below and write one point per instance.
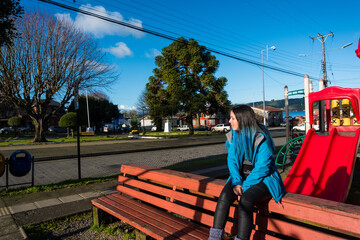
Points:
(248, 128)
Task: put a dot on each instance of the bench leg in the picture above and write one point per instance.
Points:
(101, 217)
(140, 235)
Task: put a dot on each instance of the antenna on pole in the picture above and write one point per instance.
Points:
(322, 39)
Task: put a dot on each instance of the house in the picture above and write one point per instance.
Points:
(274, 116)
(211, 120)
(9, 110)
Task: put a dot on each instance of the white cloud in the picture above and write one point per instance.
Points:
(152, 53)
(99, 28)
(120, 50)
(127, 108)
(64, 16)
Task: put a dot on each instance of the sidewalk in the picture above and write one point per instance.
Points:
(18, 211)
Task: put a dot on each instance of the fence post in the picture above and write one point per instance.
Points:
(306, 100)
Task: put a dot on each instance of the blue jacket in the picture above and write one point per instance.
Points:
(264, 168)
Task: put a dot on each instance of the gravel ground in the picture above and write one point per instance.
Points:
(78, 227)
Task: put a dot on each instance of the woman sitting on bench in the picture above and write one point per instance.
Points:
(253, 175)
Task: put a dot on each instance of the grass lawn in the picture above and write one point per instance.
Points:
(9, 140)
(6, 141)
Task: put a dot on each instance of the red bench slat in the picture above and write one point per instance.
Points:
(183, 197)
(157, 215)
(172, 207)
(190, 181)
(334, 215)
(128, 218)
(143, 220)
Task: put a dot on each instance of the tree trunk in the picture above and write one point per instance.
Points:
(189, 123)
(197, 120)
(40, 128)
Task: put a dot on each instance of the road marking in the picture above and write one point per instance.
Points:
(4, 211)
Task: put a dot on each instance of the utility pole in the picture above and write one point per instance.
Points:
(322, 39)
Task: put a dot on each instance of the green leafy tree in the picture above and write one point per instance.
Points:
(184, 81)
(101, 110)
(135, 123)
(68, 121)
(15, 122)
(9, 11)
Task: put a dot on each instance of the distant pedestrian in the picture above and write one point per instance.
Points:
(253, 174)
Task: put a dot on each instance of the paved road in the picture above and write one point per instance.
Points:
(47, 172)
(55, 151)
(105, 159)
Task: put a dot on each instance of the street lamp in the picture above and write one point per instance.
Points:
(323, 61)
(262, 63)
(346, 45)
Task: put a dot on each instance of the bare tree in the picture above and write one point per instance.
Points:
(142, 106)
(46, 63)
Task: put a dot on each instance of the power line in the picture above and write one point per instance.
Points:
(286, 71)
(232, 36)
(210, 31)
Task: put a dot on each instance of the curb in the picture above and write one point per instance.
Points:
(124, 151)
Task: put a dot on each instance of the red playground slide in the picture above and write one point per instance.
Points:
(324, 165)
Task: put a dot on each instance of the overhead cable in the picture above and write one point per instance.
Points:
(278, 69)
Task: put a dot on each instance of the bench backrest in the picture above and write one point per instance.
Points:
(195, 197)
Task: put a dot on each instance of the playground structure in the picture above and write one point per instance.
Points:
(325, 164)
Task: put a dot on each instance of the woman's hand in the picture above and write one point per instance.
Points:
(238, 190)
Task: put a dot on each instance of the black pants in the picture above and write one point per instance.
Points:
(253, 195)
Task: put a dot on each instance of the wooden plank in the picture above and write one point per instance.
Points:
(194, 182)
(169, 206)
(291, 229)
(155, 211)
(336, 216)
(131, 220)
(198, 201)
(186, 230)
(163, 219)
(170, 230)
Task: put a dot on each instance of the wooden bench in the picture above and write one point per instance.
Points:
(167, 204)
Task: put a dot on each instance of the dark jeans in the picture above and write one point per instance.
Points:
(253, 195)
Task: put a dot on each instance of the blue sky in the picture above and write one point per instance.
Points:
(241, 28)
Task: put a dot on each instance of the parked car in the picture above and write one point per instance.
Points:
(283, 124)
(7, 130)
(125, 129)
(221, 128)
(301, 128)
(183, 128)
(203, 128)
(24, 129)
(57, 129)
